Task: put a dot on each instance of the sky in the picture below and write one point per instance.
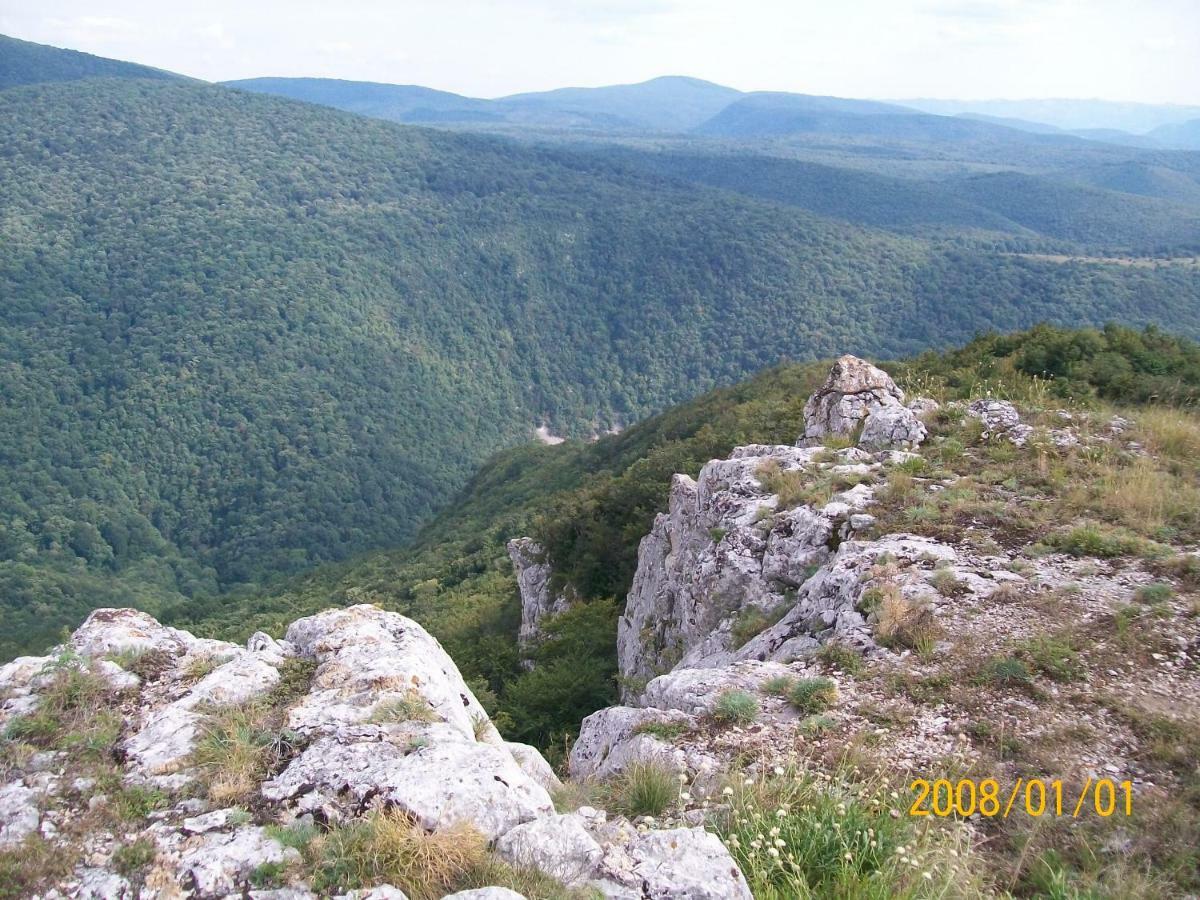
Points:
(1131, 50)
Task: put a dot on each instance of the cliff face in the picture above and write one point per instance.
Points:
(735, 548)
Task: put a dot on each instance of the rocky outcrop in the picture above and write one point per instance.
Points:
(586, 849)
(382, 720)
(725, 551)
(858, 400)
(534, 573)
(1000, 419)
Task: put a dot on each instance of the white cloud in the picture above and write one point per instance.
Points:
(1120, 49)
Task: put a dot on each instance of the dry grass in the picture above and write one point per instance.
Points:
(408, 707)
(904, 621)
(387, 847)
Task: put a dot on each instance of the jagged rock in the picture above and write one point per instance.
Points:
(611, 857)
(262, 643)
(827, 605)
(218, 863)
(612, 738)
(108, 631)
(19, 816)
(430, 771)
(101, 884)
(924, 407)
(857, 395)
(718, 550)
(116, 677)
(1000, 418)
(167, 736)
(891, 426)
(561, 846)
(687, 862)
(370, 658)
(165, 741)
(533, 573)
(211, 821)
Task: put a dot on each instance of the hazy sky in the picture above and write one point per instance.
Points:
(1146, 50)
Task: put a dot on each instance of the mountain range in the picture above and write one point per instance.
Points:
(244, 336)
(681, 105)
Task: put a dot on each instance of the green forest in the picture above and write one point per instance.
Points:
(241, 337)
(590, 504)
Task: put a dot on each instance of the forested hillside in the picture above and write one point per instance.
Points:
(242, 336)
(590, 504)
(22, 62)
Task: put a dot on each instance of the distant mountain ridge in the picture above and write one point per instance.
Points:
(24, 62)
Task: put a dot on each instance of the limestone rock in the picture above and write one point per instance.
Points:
(1000, 419)
(369, 658)
(558, 845)
(533, 764)
(827, 605)
(219, 863)
(718, 550)
(695, 690)
(379, 892)
(101, 884)
(610, 739)
(18, 814)
(857, 395)
(687, 862)
(487, 893)
(431, 772)
(890, 425)
(533, 573)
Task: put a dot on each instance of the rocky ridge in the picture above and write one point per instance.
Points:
(383, 722)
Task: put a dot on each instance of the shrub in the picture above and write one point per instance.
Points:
(839, 656)
(904, 622)
(1054, 656)
(812, 695)
(238, 749)
(1007, 671)
(1092, 539)
(72, 715)
(32, 865)
(751, 621)
(735, 708)
(644, 789)
(1159, 592)
(136, 802)
(132, 858)
(946, 583)
(778, 686)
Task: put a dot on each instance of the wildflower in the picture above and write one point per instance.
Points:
(683, 777)
(685, 796)
(779, 770)
(728, 792)
(928, 876)
(773, 851)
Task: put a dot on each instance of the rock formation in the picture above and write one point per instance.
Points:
(384, 721)
(859, 400)
(534, 573)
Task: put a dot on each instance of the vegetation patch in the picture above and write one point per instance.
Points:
(735, 708)
(812, 695)
(796, 834)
